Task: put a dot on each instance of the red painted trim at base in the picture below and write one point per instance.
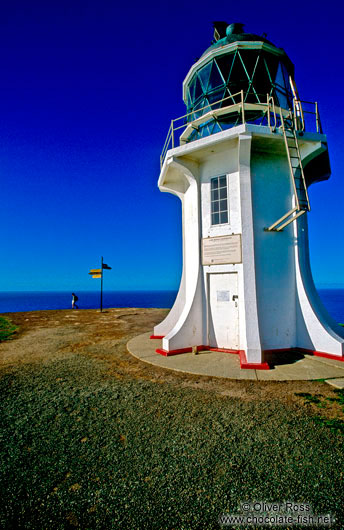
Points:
(157, 336)
(172, 352)
(310, 352)
(328, 356)
(189, 349)
(224, 350)
(322, 354)
(251, 366)
(242, 356)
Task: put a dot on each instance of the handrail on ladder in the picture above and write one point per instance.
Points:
(297, 124)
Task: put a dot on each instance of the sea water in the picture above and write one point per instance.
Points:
(13, 301)
(333, 300)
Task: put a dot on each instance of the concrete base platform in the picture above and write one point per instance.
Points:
(219, 364)
(337, 383)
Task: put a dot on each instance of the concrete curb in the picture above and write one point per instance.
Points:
(226, 365)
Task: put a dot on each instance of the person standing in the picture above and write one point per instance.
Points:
(74, 300)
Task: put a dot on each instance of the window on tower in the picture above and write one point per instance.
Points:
(219, 200)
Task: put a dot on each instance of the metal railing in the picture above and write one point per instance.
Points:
(299, 114)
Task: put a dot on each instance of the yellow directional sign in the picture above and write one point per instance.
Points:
(98, 273)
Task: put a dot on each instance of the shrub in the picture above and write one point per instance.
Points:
(7, 329)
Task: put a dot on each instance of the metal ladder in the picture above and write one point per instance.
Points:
(297, 176)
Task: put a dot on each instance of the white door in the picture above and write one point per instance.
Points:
(223, 312)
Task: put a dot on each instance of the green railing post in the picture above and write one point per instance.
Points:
(316, 115)
(242, 107)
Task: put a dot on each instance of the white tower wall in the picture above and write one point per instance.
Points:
(277, 306)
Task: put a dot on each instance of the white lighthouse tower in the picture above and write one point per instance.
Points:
(241, 161)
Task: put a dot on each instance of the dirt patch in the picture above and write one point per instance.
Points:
(94, 438)
(47, 335)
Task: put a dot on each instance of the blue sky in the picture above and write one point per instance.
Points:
(87, 93)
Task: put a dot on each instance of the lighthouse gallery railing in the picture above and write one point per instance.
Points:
(275, 117)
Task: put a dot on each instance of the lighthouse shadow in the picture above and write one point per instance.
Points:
(283, 357)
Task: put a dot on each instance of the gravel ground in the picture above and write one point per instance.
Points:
(92, 438)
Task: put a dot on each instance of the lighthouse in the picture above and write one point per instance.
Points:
(241, 161)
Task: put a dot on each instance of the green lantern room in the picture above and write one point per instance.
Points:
(236, 65)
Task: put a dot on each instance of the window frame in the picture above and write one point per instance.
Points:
(218, 200)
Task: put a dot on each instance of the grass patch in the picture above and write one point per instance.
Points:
(335, 424)
(83, 450)
(311, 398)
(7, 329)
(339, 398)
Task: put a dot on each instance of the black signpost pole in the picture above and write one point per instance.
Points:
(101, 286)
(98, 273)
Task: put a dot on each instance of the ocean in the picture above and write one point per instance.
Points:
(12, 301)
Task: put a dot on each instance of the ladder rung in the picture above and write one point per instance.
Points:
(296, 173)
(301, 212)
(281, 219)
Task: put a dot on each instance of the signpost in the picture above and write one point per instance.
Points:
(98, 273)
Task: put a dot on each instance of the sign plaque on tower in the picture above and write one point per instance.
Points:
(221, 250)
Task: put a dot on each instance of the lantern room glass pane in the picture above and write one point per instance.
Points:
(198, 89)
(203, 74)
(215, 96)
(286, 77)
(271, 63)
(215, 79)
(249, 58)
(217, 128)
(261, 81)
(279, 80)
(282, 99)
(225, 64)
(206, 106)
(238, 79)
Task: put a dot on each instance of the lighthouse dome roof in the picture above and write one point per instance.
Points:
(228, 33)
